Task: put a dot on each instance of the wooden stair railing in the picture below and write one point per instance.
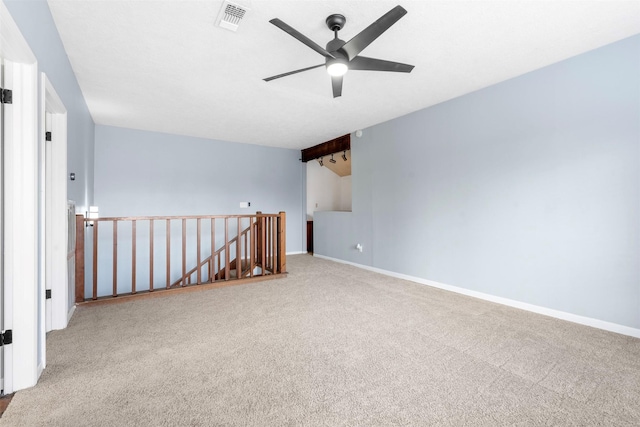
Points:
(257, 250)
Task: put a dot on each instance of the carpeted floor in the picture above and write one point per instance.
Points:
(330, 345)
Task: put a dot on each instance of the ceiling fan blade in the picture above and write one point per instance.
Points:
(268, 79)
(301, 37)
(373, 64)
(354, 46)
(336, 83)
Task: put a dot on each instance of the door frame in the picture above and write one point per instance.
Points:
(53, 223)
(20, 209)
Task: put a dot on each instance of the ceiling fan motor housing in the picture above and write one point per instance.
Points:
(335, 48)
(336, 21)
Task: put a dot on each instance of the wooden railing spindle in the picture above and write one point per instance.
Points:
(282, 242)
(246, 250)
(133, 256)
(227, 267)
(274, 240)
(184, 250)
(199, 282)
(95, 260)
(263, 238)
(239, 251)
(219, 263)
(266, 242)
(272, 245)
(252, 243)
(115, 258)
(168, 253)
(269, 245)
(212, 272)
(151, 255)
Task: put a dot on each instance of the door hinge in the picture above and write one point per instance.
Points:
(6, 337)
(47, 136)
(6, 96)
(47, 293)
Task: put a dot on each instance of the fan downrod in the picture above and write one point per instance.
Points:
(336, 21)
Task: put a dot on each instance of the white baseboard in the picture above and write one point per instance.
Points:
(70, 314)
(582, 320)
(296, 253)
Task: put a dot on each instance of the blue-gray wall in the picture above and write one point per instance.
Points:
(140, 173)
(527, 190)
(36, 24)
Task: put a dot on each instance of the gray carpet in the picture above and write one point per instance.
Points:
(329, 345)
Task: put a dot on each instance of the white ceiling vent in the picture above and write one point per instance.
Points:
(231, 15)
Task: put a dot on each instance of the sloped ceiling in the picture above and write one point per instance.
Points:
(165, 66)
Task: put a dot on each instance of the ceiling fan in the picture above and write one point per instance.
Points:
(341, 56)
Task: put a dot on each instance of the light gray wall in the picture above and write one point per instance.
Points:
(528, 190)
(36, 24)
(139, 173)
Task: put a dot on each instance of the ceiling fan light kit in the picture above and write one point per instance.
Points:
(337, 67)
(341, 56)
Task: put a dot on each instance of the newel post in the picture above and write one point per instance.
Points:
(79, 258)
(282, 239)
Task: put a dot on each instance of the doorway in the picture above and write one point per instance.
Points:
(328, 187)
(54, 233)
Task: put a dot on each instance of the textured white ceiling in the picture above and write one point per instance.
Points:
(165, 66)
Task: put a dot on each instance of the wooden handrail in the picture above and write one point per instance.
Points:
(259, 251)
(176, 217)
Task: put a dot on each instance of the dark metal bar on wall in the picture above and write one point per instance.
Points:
(336, 145)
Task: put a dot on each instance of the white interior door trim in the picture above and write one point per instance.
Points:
(56, 235)
(45, 215)
(21, 204)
